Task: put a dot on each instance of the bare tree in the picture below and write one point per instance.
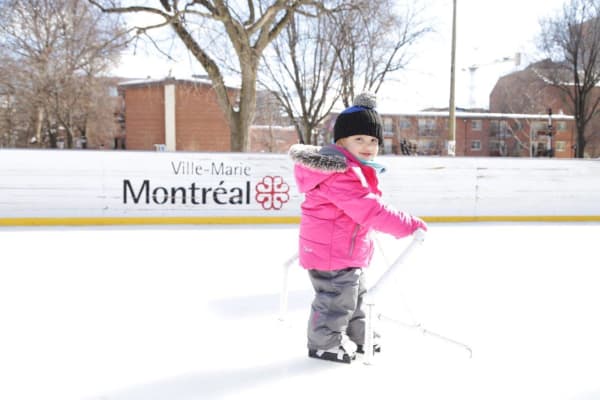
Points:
(319, 60)
(372, 41)
(572, 40)
(59, 46)
(522, 92)
(301, 73)
(246, 27)
(8, 117)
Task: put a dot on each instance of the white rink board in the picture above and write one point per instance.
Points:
(483, 187)
(130, 184)
(142, 184)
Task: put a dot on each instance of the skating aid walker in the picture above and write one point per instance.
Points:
(384, 281)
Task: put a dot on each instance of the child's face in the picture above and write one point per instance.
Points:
(363, 147)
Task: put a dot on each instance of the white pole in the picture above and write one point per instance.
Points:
(370, 302)
(170, 117)
(418, 238)
(452, 107)
(283, 298)
(369, 331)
(550, 133)
(371, 296)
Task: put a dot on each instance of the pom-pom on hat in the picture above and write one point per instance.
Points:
(360, 119)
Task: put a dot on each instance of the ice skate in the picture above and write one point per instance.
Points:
(337, 354)
(344, 353)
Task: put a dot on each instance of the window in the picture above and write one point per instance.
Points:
(112, 91)
(428, 123)
(387, 146)
(388, 124)
(426, 127)
(561, 126)
(476, 125)
(476, 145)
(499, 129)
(559, 146)
(539, 127)
(404, 123)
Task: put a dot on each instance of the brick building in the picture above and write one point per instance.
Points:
(184, 115)
(174, 114)
(271, 138)
(528, 91)
(478, 134)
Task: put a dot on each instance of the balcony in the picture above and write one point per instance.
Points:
(428, 132)
(500, 133)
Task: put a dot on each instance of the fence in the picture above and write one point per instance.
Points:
(84, 187)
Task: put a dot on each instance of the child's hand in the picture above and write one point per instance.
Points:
(419, 224)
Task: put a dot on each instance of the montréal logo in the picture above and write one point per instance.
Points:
(272, 192)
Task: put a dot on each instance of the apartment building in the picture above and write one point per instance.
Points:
(183, 115)
(478, 134)
(528, 91)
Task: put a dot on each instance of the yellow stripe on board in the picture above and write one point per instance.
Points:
(245, 220)
(82, 221)
(516, 218)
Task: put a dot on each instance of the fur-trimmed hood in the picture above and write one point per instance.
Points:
(327, 159)
(315, 164)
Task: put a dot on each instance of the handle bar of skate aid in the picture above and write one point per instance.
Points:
(283, 297)
(418, 238)
(385, 278)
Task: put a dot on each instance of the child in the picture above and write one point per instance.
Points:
(342, 206)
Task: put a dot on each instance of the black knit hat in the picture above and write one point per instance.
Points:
(360, 119)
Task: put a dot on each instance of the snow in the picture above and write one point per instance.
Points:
(184, 312)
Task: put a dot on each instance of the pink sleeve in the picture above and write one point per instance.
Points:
(350, 194)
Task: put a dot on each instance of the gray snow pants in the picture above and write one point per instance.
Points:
(337, 308)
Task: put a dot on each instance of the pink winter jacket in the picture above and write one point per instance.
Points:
(342, 205)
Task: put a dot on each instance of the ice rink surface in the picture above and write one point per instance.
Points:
(182, 313)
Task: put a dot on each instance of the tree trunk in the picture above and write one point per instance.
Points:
(580, 142)
(69, 144)
(39, 120)
(580, 121)
(247, 105)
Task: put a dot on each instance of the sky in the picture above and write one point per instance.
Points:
(171, 313)
(487, 31)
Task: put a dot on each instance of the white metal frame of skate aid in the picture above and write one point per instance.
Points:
(385, 280)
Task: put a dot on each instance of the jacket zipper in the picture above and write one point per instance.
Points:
(353, 238)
